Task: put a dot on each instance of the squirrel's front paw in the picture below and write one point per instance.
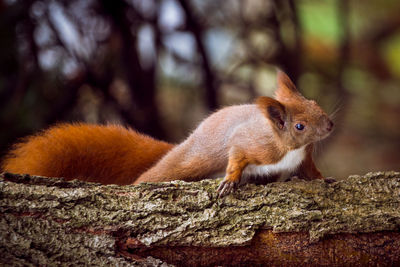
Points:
(226, 187)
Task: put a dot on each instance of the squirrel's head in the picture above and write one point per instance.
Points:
(297, 120)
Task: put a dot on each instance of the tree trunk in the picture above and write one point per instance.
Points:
(55, 222)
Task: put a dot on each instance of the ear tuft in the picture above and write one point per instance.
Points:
(286, 88)
(273, 110)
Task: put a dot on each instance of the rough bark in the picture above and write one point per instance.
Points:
(55, 222)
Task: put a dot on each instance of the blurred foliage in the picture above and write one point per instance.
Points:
(160, 66)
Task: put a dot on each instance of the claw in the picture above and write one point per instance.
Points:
(329, 180)
(225, 188)
(292, 178)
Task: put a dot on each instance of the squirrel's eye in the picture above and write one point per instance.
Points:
(299, 126)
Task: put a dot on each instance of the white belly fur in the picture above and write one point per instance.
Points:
(288, 163)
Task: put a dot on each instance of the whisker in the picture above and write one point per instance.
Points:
(334, 114)
(338, 106)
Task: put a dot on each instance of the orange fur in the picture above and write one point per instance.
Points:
(105, 154)
(307, 169)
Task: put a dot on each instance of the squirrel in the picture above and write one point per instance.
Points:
(268, 138)
(271, 137)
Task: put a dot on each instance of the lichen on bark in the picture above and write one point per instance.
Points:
(89, 218)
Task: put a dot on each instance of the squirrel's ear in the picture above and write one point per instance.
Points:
(273, 110)
(286, 88)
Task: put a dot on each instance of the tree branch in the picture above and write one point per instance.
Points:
(51, 221)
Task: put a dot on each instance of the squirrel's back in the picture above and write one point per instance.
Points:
(105, 154)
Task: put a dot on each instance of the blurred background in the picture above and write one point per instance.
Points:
(161, 66)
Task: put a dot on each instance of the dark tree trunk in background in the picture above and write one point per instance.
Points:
(144, 113)
(288, 56)
(209, 75)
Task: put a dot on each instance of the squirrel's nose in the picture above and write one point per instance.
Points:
(329, 127)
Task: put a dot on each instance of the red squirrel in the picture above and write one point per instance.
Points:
(271, 137)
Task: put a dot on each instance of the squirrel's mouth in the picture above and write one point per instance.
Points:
(322, 136)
